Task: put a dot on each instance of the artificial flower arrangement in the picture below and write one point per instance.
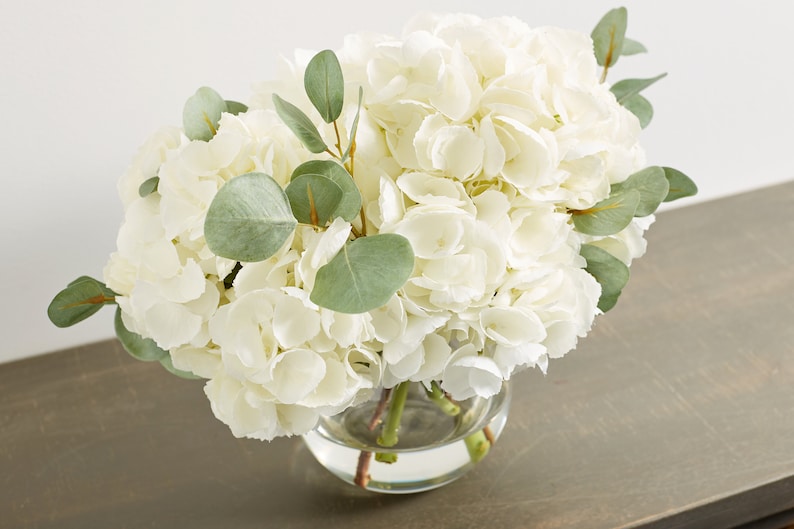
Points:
(446, 208)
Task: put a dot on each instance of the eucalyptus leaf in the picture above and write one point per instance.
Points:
(136, 345)
(168, 364)
(628, 88)
(354, 127)
(201, 114)
(632, 47)
(249, 219)
(652, 186)
(235, 107)
(680, 184)
(149, 186)
(608, 36)
(325, 85)
(314, 198)
(364, 274)
(300, 124)
(350, 204)
(608, 216)
(640, 107)
(610, 272)
(82, 298)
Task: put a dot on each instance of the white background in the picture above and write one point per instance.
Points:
(84, 82)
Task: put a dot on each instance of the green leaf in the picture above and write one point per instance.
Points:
(136, 345)
(350, 205)
(640, 107)
(608, 36)
(610, 272)
(364, 274)
(313, 198)
(249, 219)
(300, 124)
(628, 88)
(632, 47)
(680, 184)
(325, 85)
(168, 364)
(354, 126)
(149, 186)
(652, 186)
(82, 298)
(608, 216)
(201, 114)
(235, 107)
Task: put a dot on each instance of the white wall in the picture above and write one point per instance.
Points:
(84, 82)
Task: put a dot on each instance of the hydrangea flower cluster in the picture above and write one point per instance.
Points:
(476, 140)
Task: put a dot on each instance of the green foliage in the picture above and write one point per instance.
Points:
(608, 36)
(610, 272)
(82, 298)
(628, 88)
(138, 347)
(608, 216)
(249, 219)
(652, 186)
(235, 107)
(201, 114)
(314, 198)
(300, 124)
(354, 127)
(149, 186)
(364, 274)
(325, 85)
(680, 184)
(632, 47)
(640, 107)
(350, 204)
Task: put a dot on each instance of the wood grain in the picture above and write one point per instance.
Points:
(676, 412)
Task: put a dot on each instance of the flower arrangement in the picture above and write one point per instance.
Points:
(447, 208)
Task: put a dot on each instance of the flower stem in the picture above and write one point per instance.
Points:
(388, 436)
(440, 399)
(478, 446)
(362, 470)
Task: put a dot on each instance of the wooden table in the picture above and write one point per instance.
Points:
(677, 411)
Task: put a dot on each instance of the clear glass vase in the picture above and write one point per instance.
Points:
(437, 440)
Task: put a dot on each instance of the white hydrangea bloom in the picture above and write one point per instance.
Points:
(475, 140)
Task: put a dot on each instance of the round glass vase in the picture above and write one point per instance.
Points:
(435, 440)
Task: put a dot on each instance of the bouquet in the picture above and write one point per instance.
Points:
(449, 208)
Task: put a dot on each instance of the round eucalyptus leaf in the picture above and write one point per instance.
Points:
(608, 216)
(640, 107)
(300, 124)
(249, 219)
(136, 345)
(350, 204)
(149, 186)
(652, 186)
(608, 36)
(364, 274)
(82, 298)
(313, 198)
(325, 85)
(680, 184)
(201, 114)
(610, 272)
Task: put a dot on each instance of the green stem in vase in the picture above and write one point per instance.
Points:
(388, 436)
(478, 445)
(440, 399)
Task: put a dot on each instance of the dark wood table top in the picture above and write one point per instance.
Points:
(677, 411)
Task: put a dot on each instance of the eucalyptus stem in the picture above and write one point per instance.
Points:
(388, 436)
(440, 399)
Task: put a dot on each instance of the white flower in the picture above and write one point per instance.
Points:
(469, 374)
